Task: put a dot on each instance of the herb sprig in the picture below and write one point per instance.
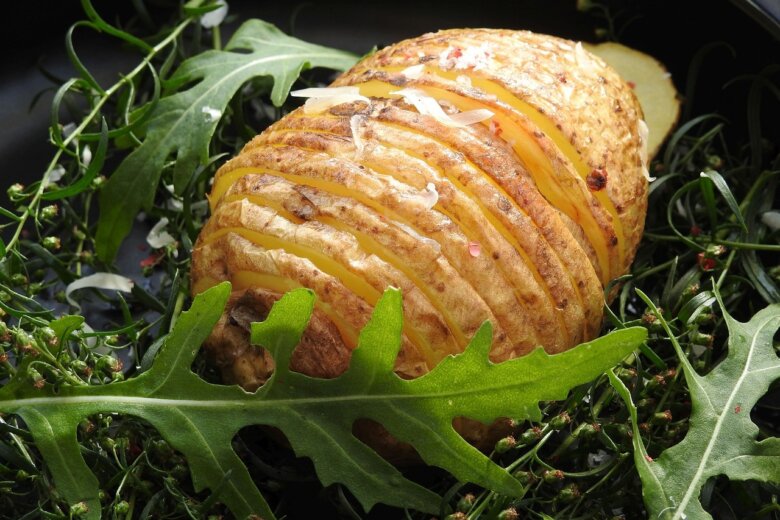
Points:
(711, 227)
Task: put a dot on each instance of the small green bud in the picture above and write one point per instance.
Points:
(22, 475)
(50, 212)
(569, 493)
(646, 403)
(99, 181)
(48, 335)
(112, 340)
(88, 257)
(102, 495)
(508, 514)
(587, 431)
(465, 503)
(108, 443)
(714, 162)
(79, 509)
(701, 338)
(78, 234)
(34, 288)
(117, 377)
(81, 367)
(626, 375)
(715, 250)
(108, 364)
(505, 444)
(106, 420)
(456, 516)
(36, 378)
(525, 477)
(5, 334)
(161, 448)
(15, 190)
(5, 297)
(705, 318)
(86, 426)
(690, 291)
(19, 279)
(122, 508)
(551, 476)
(657, 381)
(52, 243)
(659, 418)
(560, 421)
(531, 435)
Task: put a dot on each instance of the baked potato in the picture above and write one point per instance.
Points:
(489, 174)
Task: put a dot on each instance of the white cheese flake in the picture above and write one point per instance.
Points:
(771, 219)
(55, 175)
(157, 237)
(86, 155)
(644, 134)
(212, 114)
(108, 281)
(431, 196)
(414, 72)
(355, 124)
(321, 99)
(427, 105)
(215, 17)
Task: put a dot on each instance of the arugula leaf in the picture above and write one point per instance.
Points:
(182, 123)
(722, 439)
(200, 419)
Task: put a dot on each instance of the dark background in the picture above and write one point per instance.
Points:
(671, 30)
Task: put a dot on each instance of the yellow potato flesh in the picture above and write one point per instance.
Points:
(565, 198)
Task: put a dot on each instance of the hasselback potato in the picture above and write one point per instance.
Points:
(489, 174)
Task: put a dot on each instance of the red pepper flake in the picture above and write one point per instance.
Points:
(597, 179)
(705, 263)
(152, 260)
(457, 52)
(737, 409)
(631, 84)
(495, 128)
(695, 230)
(648, 458)
(474, 249)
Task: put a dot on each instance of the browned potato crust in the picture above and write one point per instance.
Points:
(520, 218)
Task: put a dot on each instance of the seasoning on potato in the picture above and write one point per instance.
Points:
(489, 174)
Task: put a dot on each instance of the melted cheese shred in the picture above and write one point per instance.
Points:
(566, 198)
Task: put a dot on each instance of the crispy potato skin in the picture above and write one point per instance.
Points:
(361, 196)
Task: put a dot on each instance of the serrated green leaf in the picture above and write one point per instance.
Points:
(200, 419)
(182, 122)
(722, 439)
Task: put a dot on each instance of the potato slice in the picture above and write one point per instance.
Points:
(653, 87)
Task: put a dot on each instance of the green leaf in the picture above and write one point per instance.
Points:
(182, 122)
(200, 419)
(722, 439)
